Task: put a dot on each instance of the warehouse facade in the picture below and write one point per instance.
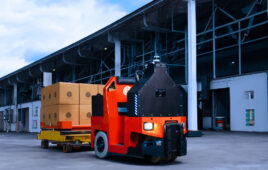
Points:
(231, 44)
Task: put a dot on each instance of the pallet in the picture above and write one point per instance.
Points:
(67, 139)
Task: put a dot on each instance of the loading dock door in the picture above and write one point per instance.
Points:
(221, 108)
(24, 119)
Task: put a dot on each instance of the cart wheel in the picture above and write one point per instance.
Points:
(170, 159)
(59, 146)
(67, 148)
(153, 159)
(101, 145)
(44, 144)
(76, 147)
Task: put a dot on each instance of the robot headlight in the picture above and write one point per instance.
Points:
(148, 126)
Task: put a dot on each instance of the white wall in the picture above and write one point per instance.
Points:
(12, 126)
(34, 115)
(239, 101)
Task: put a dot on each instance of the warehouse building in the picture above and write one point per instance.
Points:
(222, 44)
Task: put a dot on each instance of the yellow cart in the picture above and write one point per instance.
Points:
(66, 139)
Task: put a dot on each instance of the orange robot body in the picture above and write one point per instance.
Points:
(121, 126)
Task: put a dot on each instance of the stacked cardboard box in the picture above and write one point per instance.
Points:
(65, 105)
(86, 93)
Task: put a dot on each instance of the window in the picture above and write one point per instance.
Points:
(249, 94)
(9, 115)
(34, 124)
(160, 92)
(36, 111)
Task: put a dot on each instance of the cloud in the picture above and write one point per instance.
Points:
(31, 29)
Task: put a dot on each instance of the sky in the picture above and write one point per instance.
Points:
(32, 29)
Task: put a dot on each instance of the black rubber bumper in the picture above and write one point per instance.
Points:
(148, 148)
(153, 148)
(173, 144)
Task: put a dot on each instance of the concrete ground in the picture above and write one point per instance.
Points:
(215, 150)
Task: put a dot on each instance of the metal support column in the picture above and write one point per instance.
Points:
(156, 44)
(239, 50)
(192, 78)
(213, 117)
(117, 55)
(214, 39)
(186, 55)
(143, 57)
(1, 98)
(5, 97)
(32, 92)
(57, 75)
(172, 20)
(14, 101)
(101, 69)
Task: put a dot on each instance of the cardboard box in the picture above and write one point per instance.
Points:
(63, 94)
(85, 114)
(44, 96)
(65, 105)
(48, 115)
(100, 89)
(63, 113)
(42, 114)
(89, 90)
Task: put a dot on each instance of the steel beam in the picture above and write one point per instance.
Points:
(117, 55)
(161, 30)
(227, 14)
(9, 82)
(107, 67)
(214, 39)
(21, 81)
(156, 39)
(192, 78)
(41, 68)
(250, 23)
(71, 63)
(85, 57)
(30, 73)
(242, 29)
(145, 20)
(209, 21)
(239, 20)
(252, 7)
(230, 29)
(231, 23)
